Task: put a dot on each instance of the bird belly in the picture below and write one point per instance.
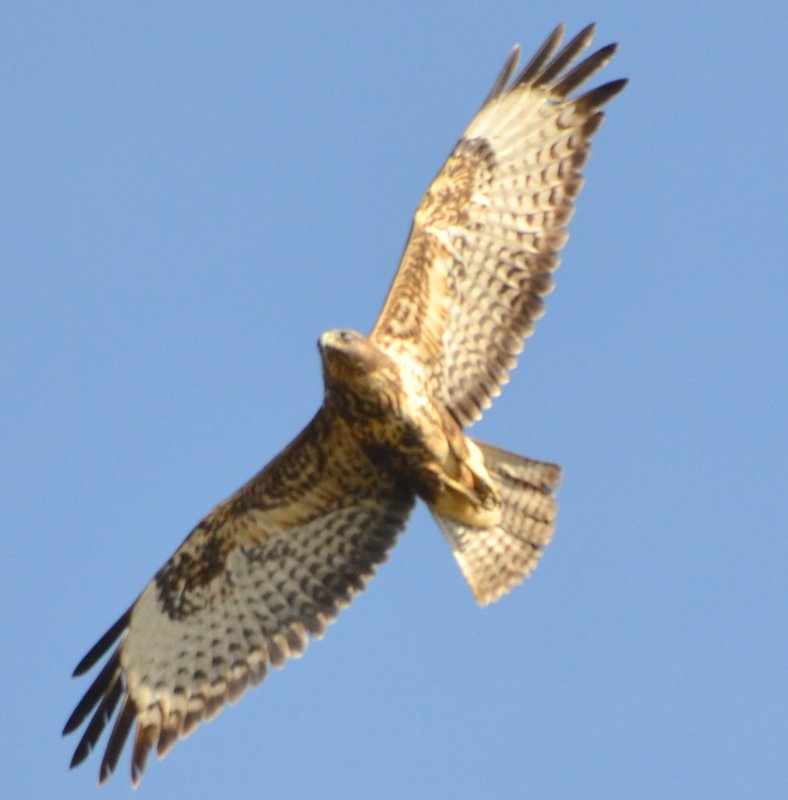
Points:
(442, 465)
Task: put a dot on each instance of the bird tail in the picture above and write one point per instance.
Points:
(494, 559)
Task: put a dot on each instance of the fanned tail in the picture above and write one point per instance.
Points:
(497, 558)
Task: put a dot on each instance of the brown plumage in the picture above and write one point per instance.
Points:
(273, 565)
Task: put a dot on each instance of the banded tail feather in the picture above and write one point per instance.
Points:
(495, 559)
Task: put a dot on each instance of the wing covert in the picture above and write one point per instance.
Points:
(486, 236)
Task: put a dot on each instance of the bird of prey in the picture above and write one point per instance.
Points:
(273, 564)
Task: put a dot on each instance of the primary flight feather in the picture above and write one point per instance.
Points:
(273, 564)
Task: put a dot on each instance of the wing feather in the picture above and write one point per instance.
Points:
(534, 67)
(262, 572)
(486, 237)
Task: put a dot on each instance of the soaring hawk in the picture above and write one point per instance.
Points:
(273, 564)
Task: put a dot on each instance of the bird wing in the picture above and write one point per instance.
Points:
(264, 570)
(486, 237)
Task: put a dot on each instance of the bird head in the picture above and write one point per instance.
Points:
(349, 358)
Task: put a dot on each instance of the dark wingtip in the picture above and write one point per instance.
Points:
(93, 696)
(505, 75)
(588, 31)
(117, 739)
(143, 743)
(566, 56)
(96, 652)
(103, 694)
(112, 693)
(601, 94)
(545, 51)
(556, 36)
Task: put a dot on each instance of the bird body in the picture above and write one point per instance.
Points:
(273, 564)
(407, 431)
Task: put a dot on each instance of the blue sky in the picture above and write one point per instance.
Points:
(190, 193)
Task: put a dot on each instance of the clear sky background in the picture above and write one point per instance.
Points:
(191, 192)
